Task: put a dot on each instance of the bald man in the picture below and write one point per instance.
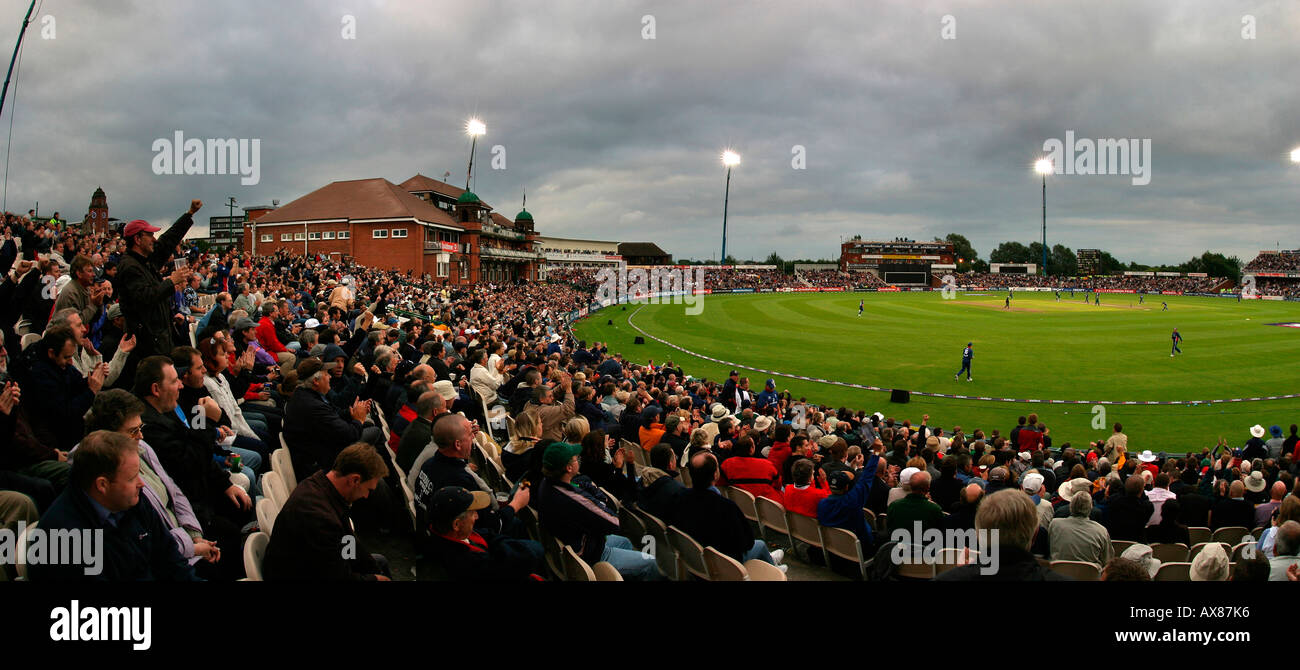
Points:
(1264, 513)
(915, 507)
(963, 511)
(419, 433)
(453, 435)
(1234, 510)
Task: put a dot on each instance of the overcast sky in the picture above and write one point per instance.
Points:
(618, 137)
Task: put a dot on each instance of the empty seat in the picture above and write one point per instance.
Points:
(273, 487)
(282, 465)
(845, 544)
(762, 571)
(1197, 535)
(1231, 535)
(690, 555)
(266, 513)
(745, 500)
(1170, 552)
(723, 568)
(771, 514)
(254, 552)
(576, 569)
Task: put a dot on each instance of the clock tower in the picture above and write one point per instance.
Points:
(97, 215)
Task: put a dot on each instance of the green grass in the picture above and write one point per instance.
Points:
(1040, 349)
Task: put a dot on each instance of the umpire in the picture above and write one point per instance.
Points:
(147, 297)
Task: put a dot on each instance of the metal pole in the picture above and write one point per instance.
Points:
(725, 198)
(21, 32)
(470, 171)
(1044, 224)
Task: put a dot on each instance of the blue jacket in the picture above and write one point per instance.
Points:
(845, 510)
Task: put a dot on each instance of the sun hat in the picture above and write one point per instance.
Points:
(1211, 564)
(1255, 482)
(1257, 430)
(1143, 556)
(1146, 456)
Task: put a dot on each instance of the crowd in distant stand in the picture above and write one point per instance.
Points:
(1281, 262)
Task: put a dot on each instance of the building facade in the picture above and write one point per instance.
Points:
(899, 261)
(424, 227)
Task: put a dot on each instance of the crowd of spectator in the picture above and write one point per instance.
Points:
(147, 386)
(1286, 261)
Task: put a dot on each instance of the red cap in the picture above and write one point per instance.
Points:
(139, 226)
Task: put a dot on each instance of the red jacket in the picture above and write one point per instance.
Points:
(265, 332)
(1028, 439)
(804, 501)
(777, 454)
(756, 475)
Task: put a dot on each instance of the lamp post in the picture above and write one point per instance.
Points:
(1043, 167)
(474, 128)
(729, 159)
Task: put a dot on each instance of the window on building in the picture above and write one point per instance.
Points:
(313, 236)
(267, 238)
(299, 237)
(464, 270)
(399, 232)
(345, 234)
(380, 233)
(442, 269)
(329, 234)
(286, 237)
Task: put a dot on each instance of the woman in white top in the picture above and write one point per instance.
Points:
(215, 362)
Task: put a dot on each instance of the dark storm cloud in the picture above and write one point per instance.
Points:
(617, 137)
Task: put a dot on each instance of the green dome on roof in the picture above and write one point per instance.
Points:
(467, 197)
(523, 215)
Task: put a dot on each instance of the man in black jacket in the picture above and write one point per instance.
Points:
(188, 452)
(715, 521)
(146, 299)
(104, 496)
(449, 466)
(314, 540)
(314, 429)
(1127, 512)
(464, 553)
(661, 490)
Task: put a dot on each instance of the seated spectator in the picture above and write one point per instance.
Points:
(947, 487)
(597, 448)
(449, 466)
(802, 495)
(661, 488)
(1264, 512)
(59, 395)
(252, 451)
(965, 509)
(103, 495)
(1253, 569)
(1289, 511)
(1211, 564)
(1012, 514)
(715, 521)
(754, 474)
(1233, 510)
(188, 454)
(1286, 552)
(579, 515)
(1123, 570)
(419, 433)
(465, 553)
(843, 507)
(551, 414)
(314, 429)
(314, 540)
(518, 456)
(915, 508)
(1127, 511)
(1170, 530)
(651, 431)
(118, 411)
